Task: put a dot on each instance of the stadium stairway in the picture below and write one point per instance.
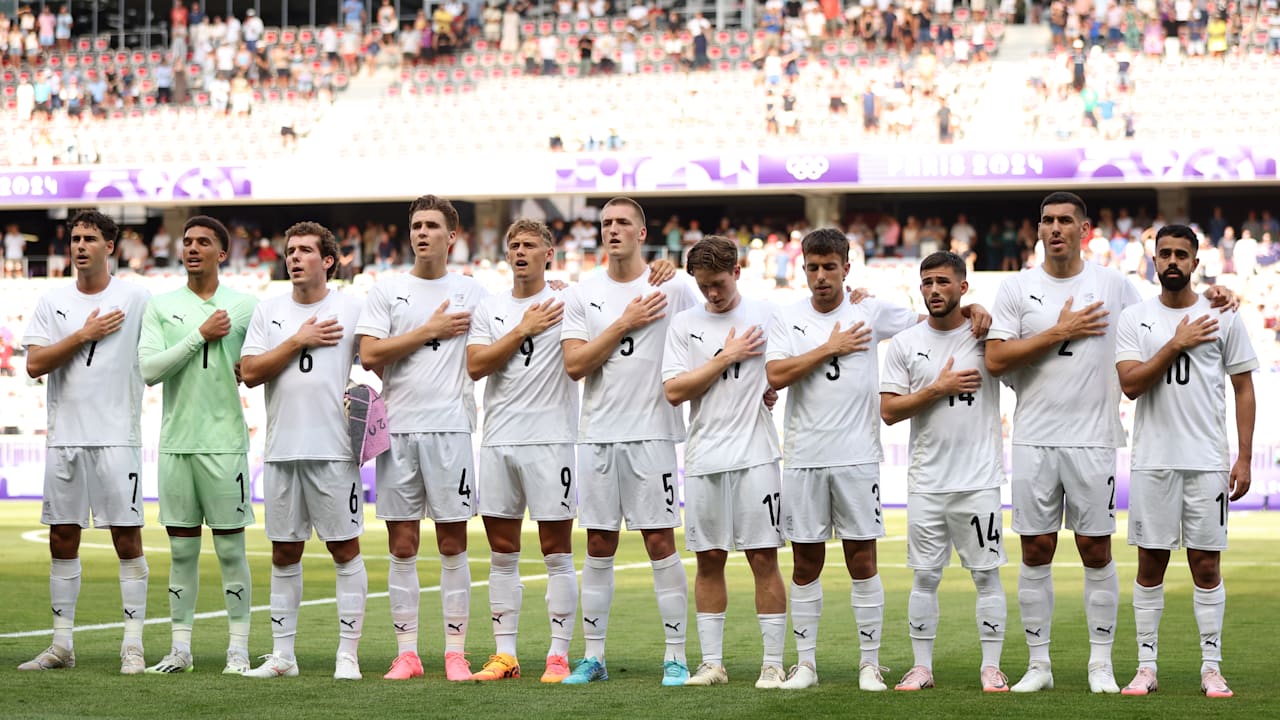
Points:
(351, 110)
(998, 114)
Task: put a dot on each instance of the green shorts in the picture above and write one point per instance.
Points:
(205, 489)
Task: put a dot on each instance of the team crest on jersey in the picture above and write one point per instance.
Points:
(1088, 297)
(459, 298)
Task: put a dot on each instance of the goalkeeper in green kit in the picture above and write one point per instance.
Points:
(191, 340)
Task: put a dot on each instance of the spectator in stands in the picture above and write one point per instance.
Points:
(492, 20)
(47, 24)
(178, 19)
(510, 29)
(63, 25)
(353, 16)
(548, 46)
(161, 247)
(164, 83)
(586, 59)
(252, 29)
(15, 247)
(56, 263)
(388, 21)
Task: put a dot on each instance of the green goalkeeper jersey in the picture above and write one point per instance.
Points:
(202, 410)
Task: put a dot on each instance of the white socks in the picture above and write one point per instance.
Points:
(922, 614)
(402, 592)
(352, 587)
(64, 589)
(992, 612)
(505, 596)
(455, 597)
(711, 637)
(671, 585)
(597, 596)
(1035, 605)
(133, 597)
(1210, 605)
(562, 600)
(286, 598)
(806, 611)
(1148, 606)
(1101, 605)
(867, 599)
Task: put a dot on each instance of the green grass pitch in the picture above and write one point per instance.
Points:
(94, 689)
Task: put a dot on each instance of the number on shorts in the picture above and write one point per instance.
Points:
(628, 346)
(89, 360)
(1063, 351)
(1179, 371)
(737, 367)
(206, 356)
(133, 477)
(240, 482)
(305, 361)
(835, 365)
(526, 349)
(966, 398)
(566, 480)
(1111, 482)
(1222, 509)
(669, 488)
(875, 492)
(353, 501)
(774, 502)
(993, 532)
(464, 490)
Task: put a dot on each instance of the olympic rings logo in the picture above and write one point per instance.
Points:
(808, 167)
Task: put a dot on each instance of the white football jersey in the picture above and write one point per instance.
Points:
(306, 419)
(1070, 397)
(96, 398)
(955, 443)
(1181, 423)
(531, 399)
(622, 400)
(428, 390)
(729, 426)
(833, 415)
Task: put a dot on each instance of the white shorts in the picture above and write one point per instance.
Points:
(635, 481)
(303, 494)
(104, 480)
(734, 510)
(1169, 509)
(537, 477)
(1050, 480)
(844, 500)
(972, 521)
(431, 475)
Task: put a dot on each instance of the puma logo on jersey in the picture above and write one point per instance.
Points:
(59, 312)
(501, 320)
(1037, 299)
(238, 593)
(278, 324)
(1148, 326)
(924, 355)
(456, 628)
(674, 628)
(179, 318)
(696, 337)
(599, 306)
(799, 329)
(994, 628)
(404, 299)
(590, 621)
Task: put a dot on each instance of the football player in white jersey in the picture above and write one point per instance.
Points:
(1172, 353)
(414, 328)
(614, 329)
(526, 457)
(714, 360)
(85, 338)
(823, 349)
(302, 346)
(1052, 342)
(935, 375)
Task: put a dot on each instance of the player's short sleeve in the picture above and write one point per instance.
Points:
(40, 329)
(779, 345)
(255, 338)
(888, 319)
(481, 332)
(574, 324)
(895, 376)
(675, 355)
(1006, 316)
(1129, 295)
(375, 318)
(1239, 355)
(1128, 346)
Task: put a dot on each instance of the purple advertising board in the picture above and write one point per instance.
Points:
(132, 185)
